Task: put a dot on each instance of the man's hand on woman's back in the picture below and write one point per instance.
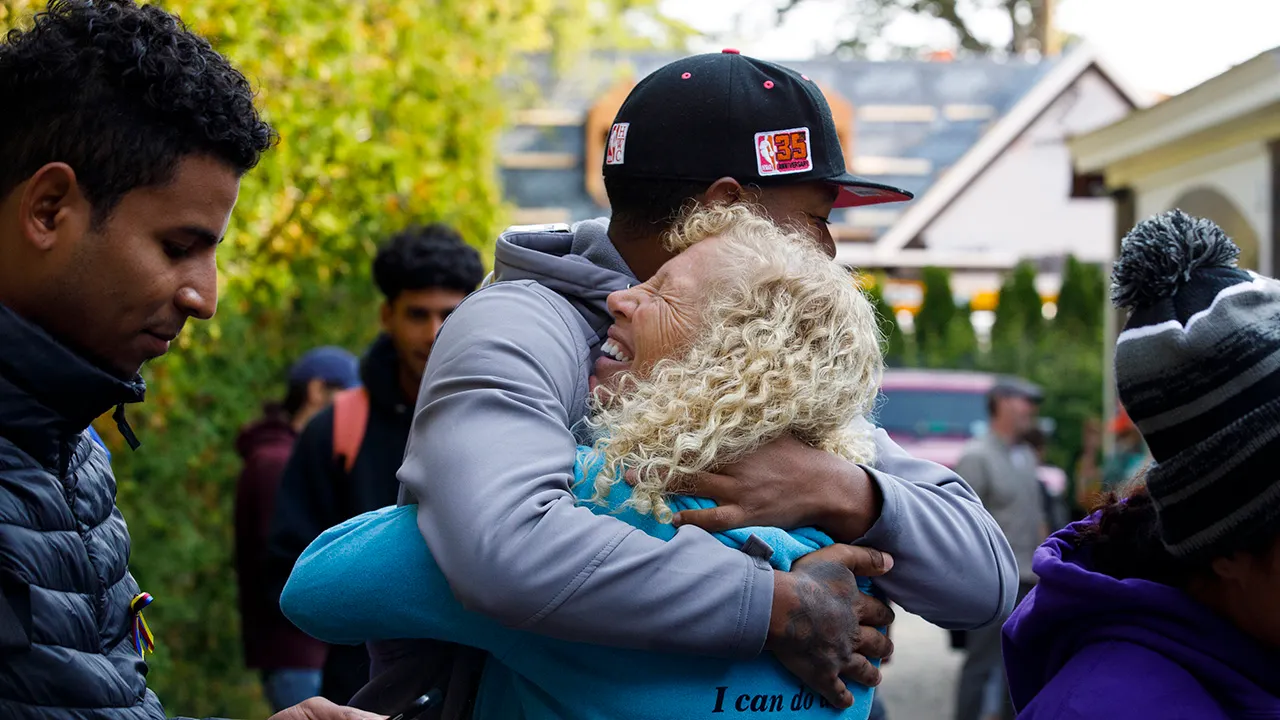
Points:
(823, 627)
(787, 484)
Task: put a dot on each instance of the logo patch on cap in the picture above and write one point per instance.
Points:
(782, 152)
(616, 150)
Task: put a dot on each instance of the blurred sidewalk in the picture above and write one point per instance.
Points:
(920, 681)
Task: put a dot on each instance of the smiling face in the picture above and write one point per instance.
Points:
(749, 333)
(657, 318)
(119, 291)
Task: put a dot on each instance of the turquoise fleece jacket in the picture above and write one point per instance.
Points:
(373, 578)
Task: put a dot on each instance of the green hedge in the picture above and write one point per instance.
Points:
(1063, 355)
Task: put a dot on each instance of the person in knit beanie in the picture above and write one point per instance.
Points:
(1165, 603)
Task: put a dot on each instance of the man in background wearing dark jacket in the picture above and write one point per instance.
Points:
(122, 143)
(289, 659)
(423, 273)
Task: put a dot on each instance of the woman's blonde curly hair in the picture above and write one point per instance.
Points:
(787, 344)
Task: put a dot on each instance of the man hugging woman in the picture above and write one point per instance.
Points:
(749, 333)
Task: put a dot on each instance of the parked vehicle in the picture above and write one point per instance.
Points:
(933, 413)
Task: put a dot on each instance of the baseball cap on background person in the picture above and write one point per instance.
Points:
(333, 365)
(724, 114)
(1016, 387)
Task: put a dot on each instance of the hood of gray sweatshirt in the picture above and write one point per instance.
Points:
(579, 263)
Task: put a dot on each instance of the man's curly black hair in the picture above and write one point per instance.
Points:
(430, 256)
(121, 93)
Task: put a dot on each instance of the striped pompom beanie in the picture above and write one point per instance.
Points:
(1198, 370)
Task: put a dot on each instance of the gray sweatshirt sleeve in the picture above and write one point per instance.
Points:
(490, 461)
(952, 565)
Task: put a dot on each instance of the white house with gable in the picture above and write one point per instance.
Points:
(1012, 196)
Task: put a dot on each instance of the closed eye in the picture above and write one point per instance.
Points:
(176, 251)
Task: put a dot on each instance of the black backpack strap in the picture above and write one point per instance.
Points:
(464, 684)
(402, 670)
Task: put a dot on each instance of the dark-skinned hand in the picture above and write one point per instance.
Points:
(823, 628)
(786, 484)
(318, 708)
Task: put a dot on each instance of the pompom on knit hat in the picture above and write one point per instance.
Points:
(1198, 370)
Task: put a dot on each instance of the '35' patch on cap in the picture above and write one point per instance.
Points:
(782, 152)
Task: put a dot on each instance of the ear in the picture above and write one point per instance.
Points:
(1235, 568)
(52, 207)
(724, 191)
(317, 393)
(386, 314)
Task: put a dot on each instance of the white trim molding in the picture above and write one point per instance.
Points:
(1246, 88)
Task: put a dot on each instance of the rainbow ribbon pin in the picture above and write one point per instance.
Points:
(143, 641)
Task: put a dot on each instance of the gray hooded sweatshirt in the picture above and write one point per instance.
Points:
(490, 461)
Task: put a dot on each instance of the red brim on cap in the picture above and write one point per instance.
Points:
(856, 192)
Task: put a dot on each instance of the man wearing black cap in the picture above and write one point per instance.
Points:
(1002, 470)
(491, 454)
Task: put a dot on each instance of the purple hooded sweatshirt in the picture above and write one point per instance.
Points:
(1086, 645)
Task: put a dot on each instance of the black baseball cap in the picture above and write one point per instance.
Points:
(1008, 386)
(725, 114)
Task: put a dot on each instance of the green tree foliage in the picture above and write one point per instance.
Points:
(895, 341)
(1064, 356)
(1071, 360)
(1019, 321)
(944, 335)
(962, 340)
(1080, 301)
(933, 321)
(389, 112)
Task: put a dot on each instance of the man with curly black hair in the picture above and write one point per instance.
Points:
(122, 145)
(345, 460)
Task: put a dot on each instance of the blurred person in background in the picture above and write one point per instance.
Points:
(1087, 481)
(289, 660)
(1129, 456)
(345, 461)
(1053, 480)
(1001, 469)
(1117, 470)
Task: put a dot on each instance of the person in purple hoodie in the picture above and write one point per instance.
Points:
(1165, 603)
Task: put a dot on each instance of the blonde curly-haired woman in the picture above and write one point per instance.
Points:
(748, 334)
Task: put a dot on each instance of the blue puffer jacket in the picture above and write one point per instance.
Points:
(66, 646)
